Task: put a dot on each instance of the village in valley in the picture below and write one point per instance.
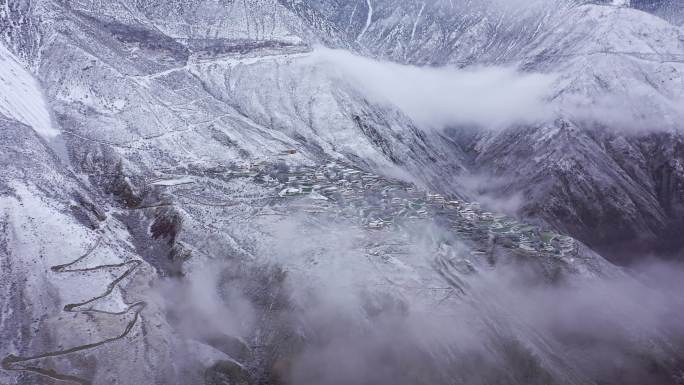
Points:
(339, 191)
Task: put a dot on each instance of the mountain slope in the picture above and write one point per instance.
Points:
(643, 61)
(619, 80)
(235, 212)
(670, 10)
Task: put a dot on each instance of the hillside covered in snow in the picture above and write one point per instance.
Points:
(341, 192)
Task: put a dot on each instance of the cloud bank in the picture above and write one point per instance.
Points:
(335, 315)
(436, 98)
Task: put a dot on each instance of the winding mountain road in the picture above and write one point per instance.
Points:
(21, 363)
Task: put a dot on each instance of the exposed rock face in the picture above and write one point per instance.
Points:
(196, 201)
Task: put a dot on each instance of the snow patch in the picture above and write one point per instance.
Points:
(21, 97)
(173, 182)
(369, 20)
(415, 24)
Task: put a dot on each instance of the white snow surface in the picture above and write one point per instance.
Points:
(369, 20)
(173, 182)
(21, 97)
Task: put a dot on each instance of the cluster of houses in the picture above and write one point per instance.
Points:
(378, 203)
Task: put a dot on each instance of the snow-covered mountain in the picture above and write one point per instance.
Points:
(189, 196)
(618, 67)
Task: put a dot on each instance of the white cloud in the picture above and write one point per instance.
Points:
(435, 98)
(638, 112)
